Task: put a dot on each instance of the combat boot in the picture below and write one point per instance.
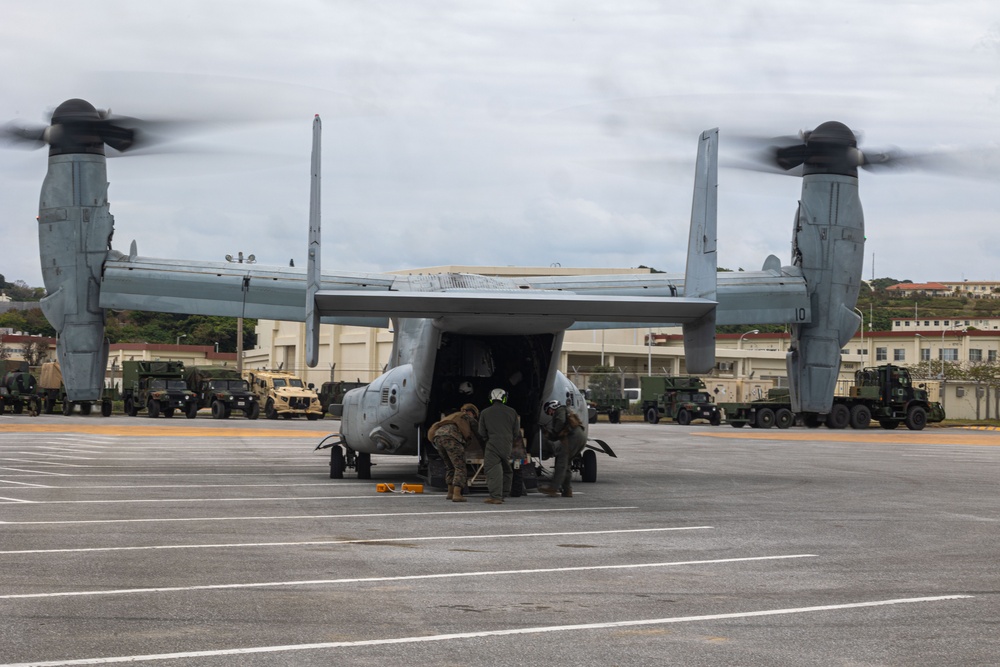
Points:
(456, 496)
(451, 492)
(567, 493)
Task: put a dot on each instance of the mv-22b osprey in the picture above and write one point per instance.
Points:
(455, 331)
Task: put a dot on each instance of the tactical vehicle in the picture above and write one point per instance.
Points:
(223, 390)
(52, 392)
(681, 398)
(282, 393)
(331, 396)
(883, 393)
(604, 401)
(157, 387)
(17, 389)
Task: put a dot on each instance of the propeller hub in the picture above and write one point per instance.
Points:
(831, 148)
(75, 129)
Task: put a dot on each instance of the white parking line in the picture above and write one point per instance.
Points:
(487, 633)
(28, 484)
(36, 472)
(406, 577)
(15, 500)
(314, 516)
(164, 547)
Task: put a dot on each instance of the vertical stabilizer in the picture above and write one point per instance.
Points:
(313, 262)
(700, 277)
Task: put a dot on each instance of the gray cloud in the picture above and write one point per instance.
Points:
(508, 134)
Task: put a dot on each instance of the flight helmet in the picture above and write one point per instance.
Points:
(551, 406)
(498, 394)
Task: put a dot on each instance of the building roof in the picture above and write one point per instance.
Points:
(927, 287)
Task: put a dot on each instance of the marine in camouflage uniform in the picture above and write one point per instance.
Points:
(572, 438)
(451, 436)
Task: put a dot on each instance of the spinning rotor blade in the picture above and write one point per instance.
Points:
(77, 126)
(20, 135)
(833, 148)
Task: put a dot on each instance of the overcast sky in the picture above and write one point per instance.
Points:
(511, 133)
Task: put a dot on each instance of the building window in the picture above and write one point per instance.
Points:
(881, 354)
(975, 355)
(937, 323)
(948, 354)
(925, 354)
(906, 323)
(897, 323)
(898, 354)
(991, 356)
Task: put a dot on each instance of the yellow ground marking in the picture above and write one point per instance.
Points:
(900, 436)
(152, 430)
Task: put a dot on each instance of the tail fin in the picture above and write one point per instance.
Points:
(700, 277)
(313, 261)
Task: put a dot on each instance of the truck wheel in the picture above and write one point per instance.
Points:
(736, 423)
(653, 416)
(811, 420)
(106, 408)
(916, 418)
(269, 410)
(588, 471)
(67, 407)
(839, 417)
(85, 408)
(130, 408)
(615, 416)
(50, 405)
(592, 419)
(861, 416)
(783, 418)
(168, 413)
(253, 411)
(192, 411)
(218, 410)
(765, 418)
(888, 424)
(312, 416)
(715, 419)
(153, 409)
(683, 417)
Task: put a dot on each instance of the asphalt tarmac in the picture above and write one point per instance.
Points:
(181, 543)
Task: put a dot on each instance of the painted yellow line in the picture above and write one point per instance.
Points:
(900, 436)
(154, 430)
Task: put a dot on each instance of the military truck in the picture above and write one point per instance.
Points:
(681, 398)
(223, 390)
(51, 392)
(882, 393)
(157, 387)
(282, 393)
(331, 396)
(605, 401)
(17, 388)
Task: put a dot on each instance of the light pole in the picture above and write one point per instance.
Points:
(739, 343)
(239, 259)
(179, 338)
(862, 331)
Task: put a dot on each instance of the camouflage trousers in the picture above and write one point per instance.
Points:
(452, 450)
(569, 448)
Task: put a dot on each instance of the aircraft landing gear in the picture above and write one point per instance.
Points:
(343, 457)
